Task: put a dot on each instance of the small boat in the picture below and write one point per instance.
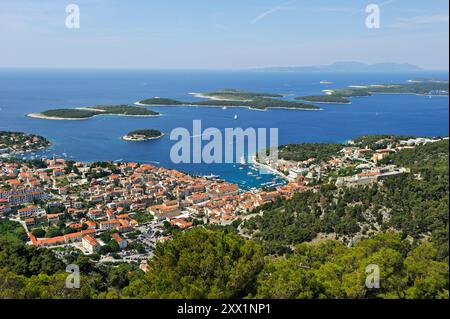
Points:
(235, 117)
(224, 108)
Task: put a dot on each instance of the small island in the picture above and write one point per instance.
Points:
(234, 98)
(83, 113)
(143, 135)
(17, 142)
(329, 99)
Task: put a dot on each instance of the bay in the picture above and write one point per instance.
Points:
(24, 91)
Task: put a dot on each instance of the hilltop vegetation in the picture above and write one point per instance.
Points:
(323, 152)
(201, 264)
(332, 270)
(204, 263)
(301, 152)
(416, 205)
(378, 141)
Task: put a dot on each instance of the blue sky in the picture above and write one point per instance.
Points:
(225, 34)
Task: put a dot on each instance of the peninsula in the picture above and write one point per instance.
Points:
(18, 142)
(234, 98)
(143, 135)
(83, 113)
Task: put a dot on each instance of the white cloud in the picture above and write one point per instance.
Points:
(273, 10)
(403, 23)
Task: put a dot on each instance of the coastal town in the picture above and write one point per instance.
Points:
(365, 162)
(118, 212)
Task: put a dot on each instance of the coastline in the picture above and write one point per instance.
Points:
(378, 93)
(254, 162)
(317, 102)
(30, 151)
(215, 98)
(44, 117)
(138, 103)
(293, 109)
(232, 106)
(403, 93)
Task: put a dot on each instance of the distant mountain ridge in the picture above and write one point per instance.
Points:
(349, 66)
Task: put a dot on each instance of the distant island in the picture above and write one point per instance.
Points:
(418, 87)
(143, 135)
(234, 98)
(82, 113)
(18, 142)
(426, 80)
(329, 99)
(347, 66)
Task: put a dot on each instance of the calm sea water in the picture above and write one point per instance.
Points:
(26, 91)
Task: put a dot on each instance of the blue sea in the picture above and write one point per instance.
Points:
(24, 91)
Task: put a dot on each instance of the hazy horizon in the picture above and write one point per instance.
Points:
(221, 35)
(202, 69)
